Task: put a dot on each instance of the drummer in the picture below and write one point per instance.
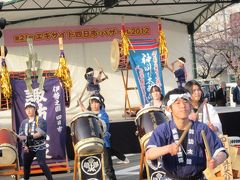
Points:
(32, 133)
(157, 97)
(97, 106)
(156, 101)
(187, 161)
(203, 111)
(93, 86)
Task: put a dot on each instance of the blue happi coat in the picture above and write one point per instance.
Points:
(192, 160)
(104, 116)
(29, 128)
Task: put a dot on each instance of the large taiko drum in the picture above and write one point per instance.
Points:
(87, 133)
(118, 60)
(235, 142)
(147, 120)
(8, 150)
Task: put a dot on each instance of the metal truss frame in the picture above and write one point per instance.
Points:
(207, 13)
(97, 7)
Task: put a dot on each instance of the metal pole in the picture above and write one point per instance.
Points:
(193, 56)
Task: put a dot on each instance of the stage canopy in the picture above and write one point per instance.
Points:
(192, 13)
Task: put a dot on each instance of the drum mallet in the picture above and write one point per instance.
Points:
(184, 133)
(80, 98)
(106, 77)
(206, 144)
(211, 173)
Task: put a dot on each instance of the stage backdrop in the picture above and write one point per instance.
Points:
(51, 107)
(146, 65)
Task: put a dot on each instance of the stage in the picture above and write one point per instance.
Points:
(230, 119)
(123, 131)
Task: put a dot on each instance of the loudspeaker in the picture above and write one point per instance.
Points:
(82, 21)
(3, 23)
(110, 3)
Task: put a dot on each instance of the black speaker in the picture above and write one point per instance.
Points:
(110, 3)
(3, 23)
(82, 21)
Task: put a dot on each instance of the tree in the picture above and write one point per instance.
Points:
(217, 51)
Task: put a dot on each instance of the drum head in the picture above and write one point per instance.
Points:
(115, 55)
(83, 114)
(148, 109)
(8, 154)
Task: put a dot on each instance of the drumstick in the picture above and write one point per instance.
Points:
(208, 116)
(80, 98)
(184, 133)
(201, 106)
(206, 144)
(98, 64)
(16, 135)
(60, 42)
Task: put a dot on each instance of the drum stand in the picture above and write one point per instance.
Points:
(77, 165)
(143, 163)
(128, 110)
(11, 169)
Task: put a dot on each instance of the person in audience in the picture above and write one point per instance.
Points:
(221, 95)
(236, 93)
(186, 160)
(211, 95)
(202, 111)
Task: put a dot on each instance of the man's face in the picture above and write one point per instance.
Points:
(238, 82)
(180, 109)
(30, 111)
(223, 85)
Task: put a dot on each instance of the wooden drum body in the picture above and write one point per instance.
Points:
(234, 159)
(147, 120)
(8, 150)
(87, 134)
(118, 60)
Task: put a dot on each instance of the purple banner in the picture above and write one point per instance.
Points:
(51, 107)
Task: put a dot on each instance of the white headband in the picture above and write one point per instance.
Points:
(179, 60)
(95, 97)
(174, 97)
(90, 72)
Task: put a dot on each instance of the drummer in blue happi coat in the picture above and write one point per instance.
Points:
(188, 160)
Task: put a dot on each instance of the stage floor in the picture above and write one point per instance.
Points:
(128, 171)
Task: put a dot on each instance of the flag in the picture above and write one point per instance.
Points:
(146, 67)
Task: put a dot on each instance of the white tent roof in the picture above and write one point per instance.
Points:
(192, 13)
